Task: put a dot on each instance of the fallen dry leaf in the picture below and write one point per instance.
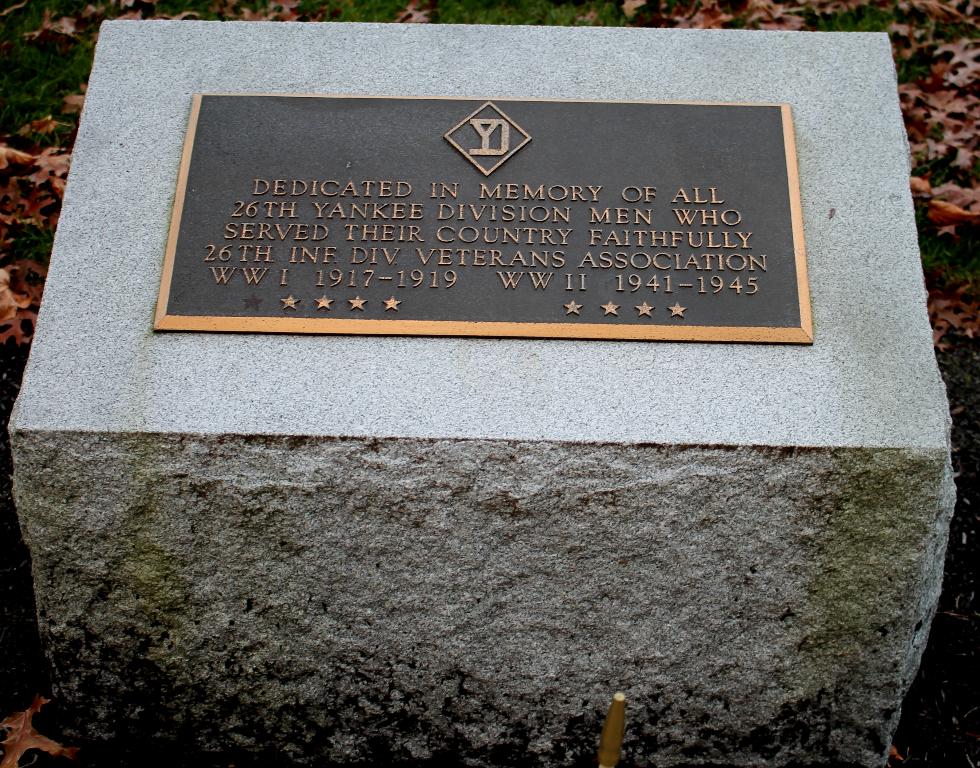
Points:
(935, 9)
(226, 8)
(413, 14)
(43, 126)
(247, 14)
(51, 30)
(941, 119)
(75, 101)
(22, 737)
(767, 14)
(13, 8)
(37, 207)
(288, 10)
(964, 66)
(53, 162)
(186, 15)
(10, 155)
(836, 6)
(920, 185)
(708, 16)
(630, 7)
(953, 309)
(20, 299)
(964, 197)
(12, 296)
(93, 12)
(947, 214)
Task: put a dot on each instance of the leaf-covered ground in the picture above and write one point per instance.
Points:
(46, 49)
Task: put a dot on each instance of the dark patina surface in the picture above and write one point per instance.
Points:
(467, 217)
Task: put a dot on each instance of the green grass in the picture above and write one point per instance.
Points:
(528, 12)
(867, 18)
(951, 261)
(35, 77)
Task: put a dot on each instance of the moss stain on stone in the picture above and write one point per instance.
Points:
(153, 573)
(873, 533)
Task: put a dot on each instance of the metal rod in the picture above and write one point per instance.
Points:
(611, 742)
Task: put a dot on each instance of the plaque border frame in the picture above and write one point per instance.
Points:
(802, 334)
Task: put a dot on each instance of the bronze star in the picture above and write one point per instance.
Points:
(392, 304)
(357, 303)
(323, 303)
(571, 308)
(289, 302)
(644, 309)
(677, 310)
(610, 308)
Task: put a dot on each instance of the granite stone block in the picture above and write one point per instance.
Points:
(386, 550)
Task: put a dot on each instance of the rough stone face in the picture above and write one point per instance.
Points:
(371, 550)
(483, 597)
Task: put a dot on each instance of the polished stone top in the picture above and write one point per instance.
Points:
(869, 379)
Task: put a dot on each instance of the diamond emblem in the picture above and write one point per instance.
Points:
(487, 138)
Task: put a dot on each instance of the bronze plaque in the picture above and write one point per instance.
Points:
(475, 217)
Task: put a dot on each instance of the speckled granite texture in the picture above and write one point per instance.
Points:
(383, 550)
